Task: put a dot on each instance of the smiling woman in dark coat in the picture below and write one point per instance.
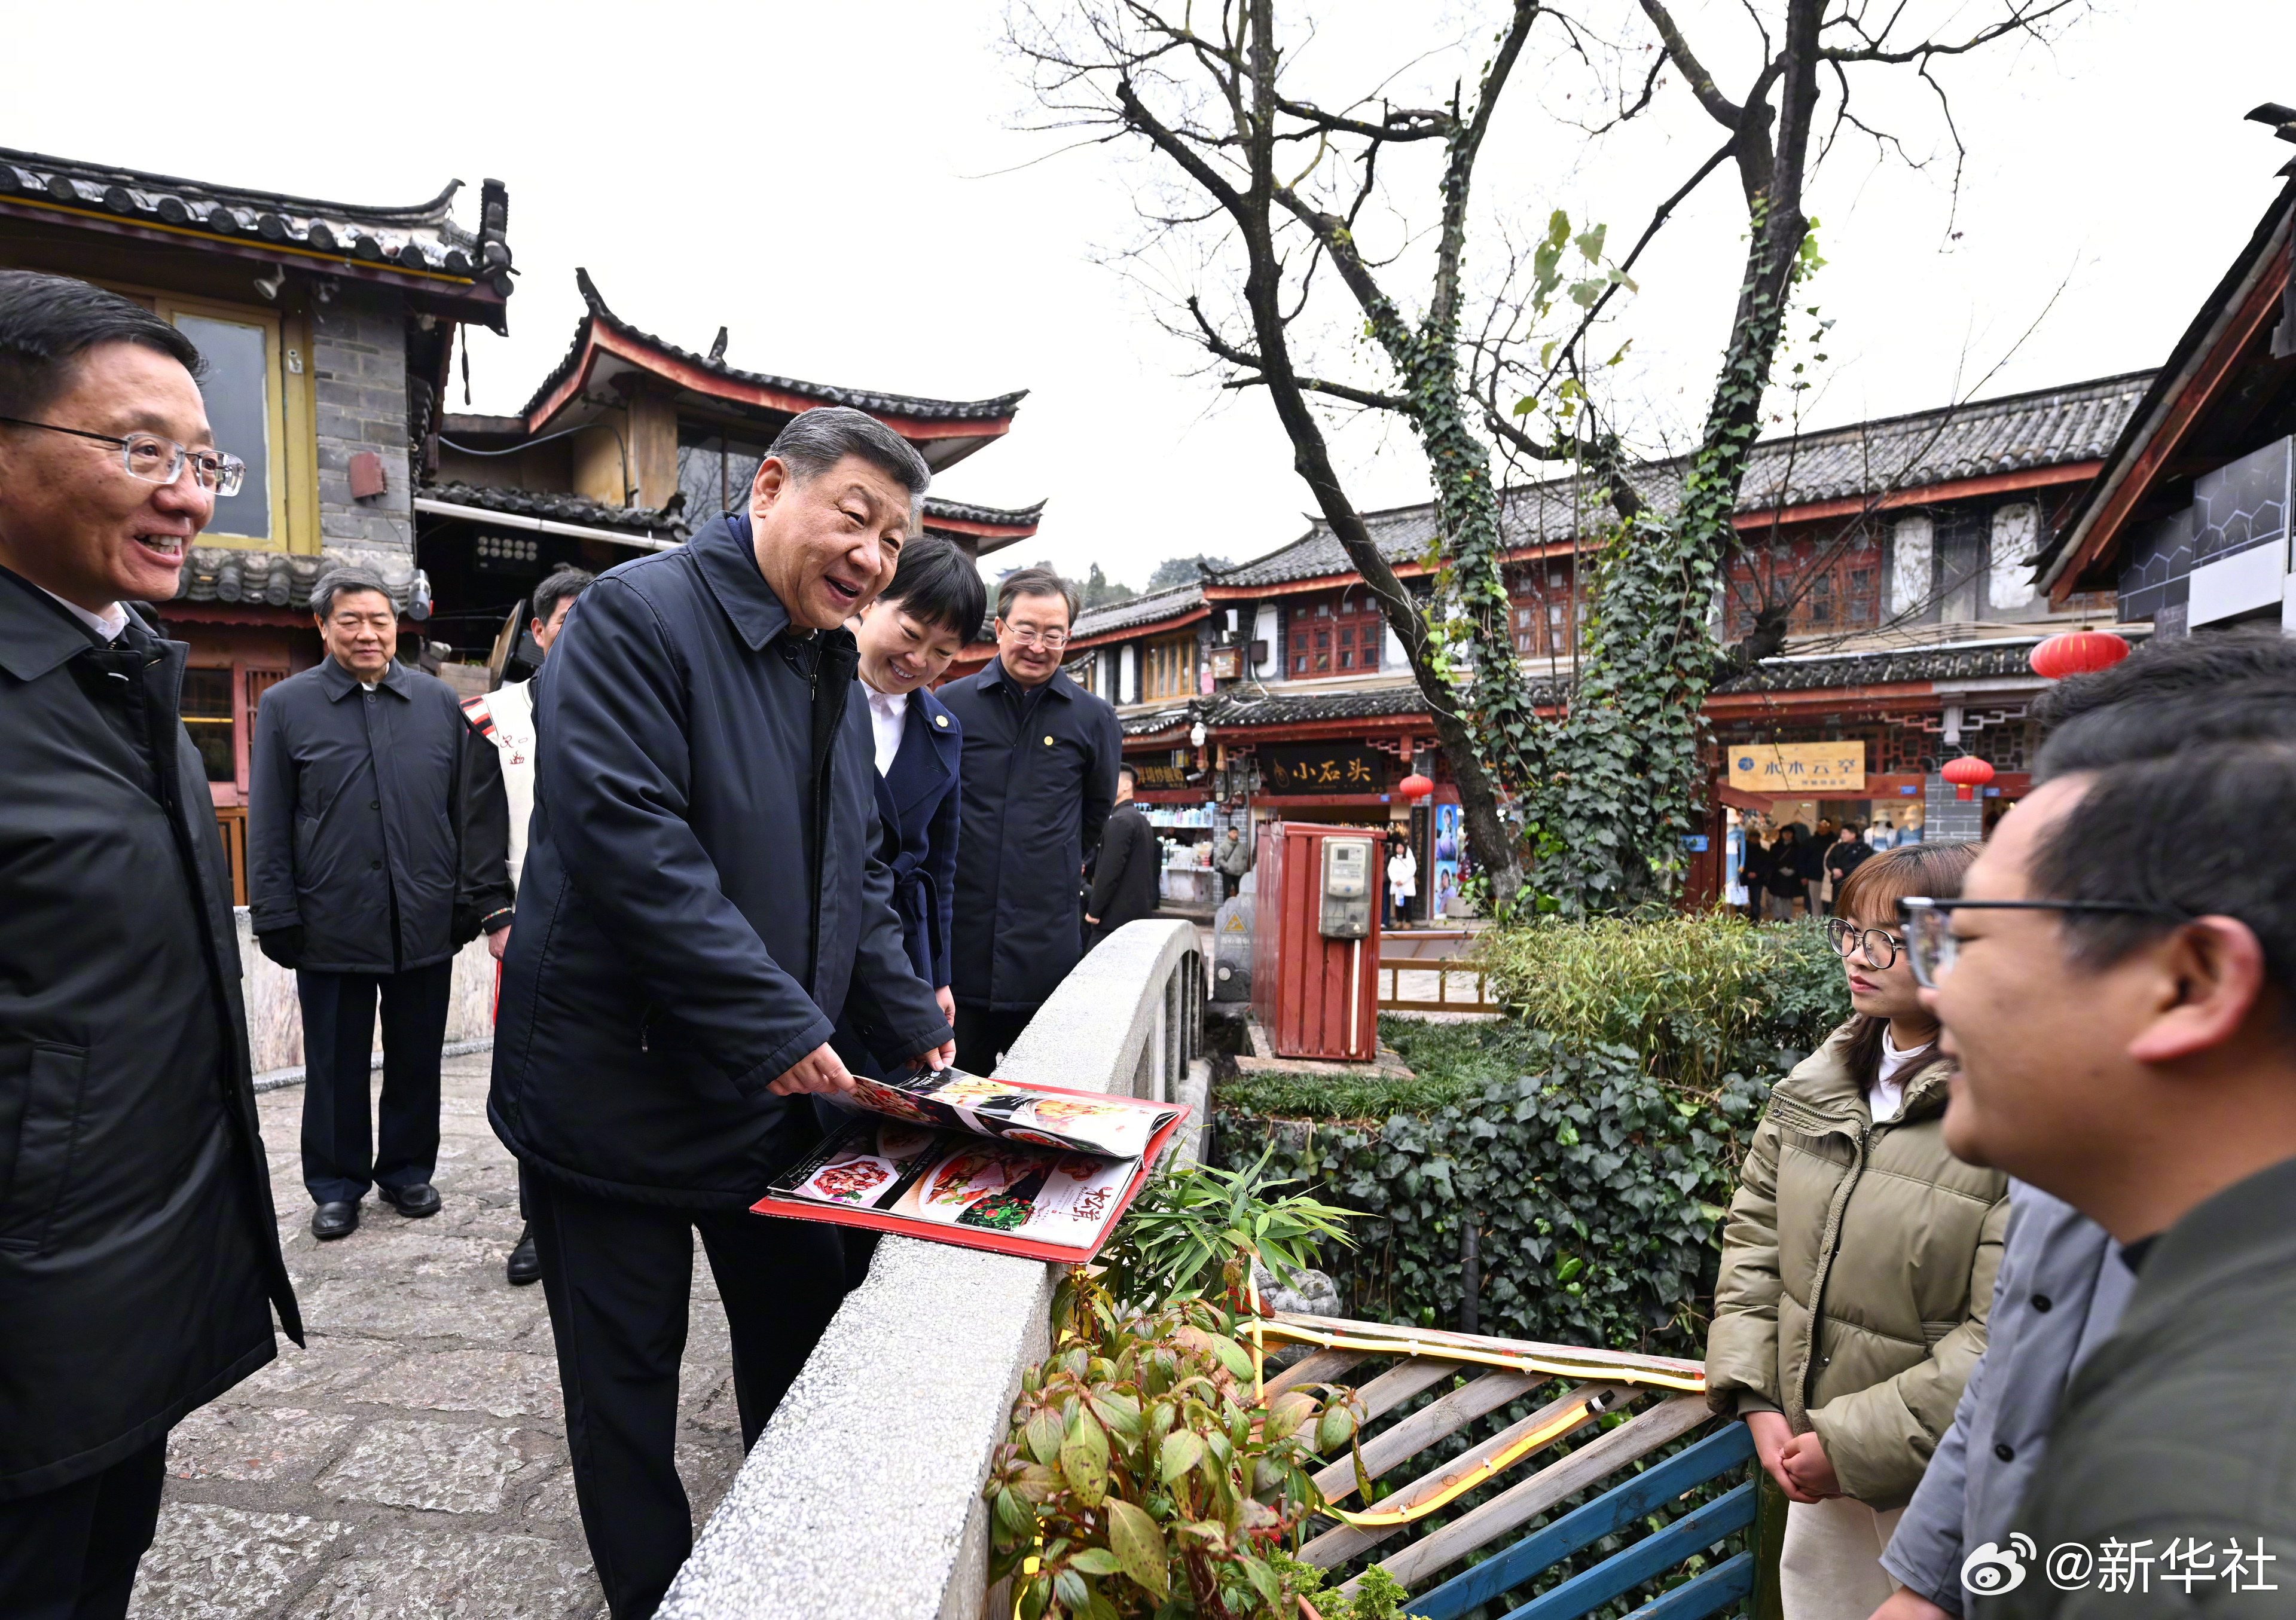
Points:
(139, 1259)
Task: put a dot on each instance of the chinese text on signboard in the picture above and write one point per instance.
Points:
(1312, 768)
(1811, 770)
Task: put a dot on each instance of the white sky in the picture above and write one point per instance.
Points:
(841, 184)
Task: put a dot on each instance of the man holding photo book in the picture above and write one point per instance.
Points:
(702, 903)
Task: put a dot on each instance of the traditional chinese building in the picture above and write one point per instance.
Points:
(327, 328)
(1896, 555)
(2188, 519)
(629, 442)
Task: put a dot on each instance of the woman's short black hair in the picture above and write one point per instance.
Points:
(48, 321)
(937, 583)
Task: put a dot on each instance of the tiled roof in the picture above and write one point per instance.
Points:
(1146, 609)
(876, 403)
(559, 508)
(1972, 660)
(2046, 427)
(967, 512)
(1150, 724)
(423, 236)
(223, 572)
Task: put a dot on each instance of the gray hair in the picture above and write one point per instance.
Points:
(345, 582)
(817, 440)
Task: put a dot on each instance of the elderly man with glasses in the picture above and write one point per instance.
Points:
(1039, 779)
(139, 1258)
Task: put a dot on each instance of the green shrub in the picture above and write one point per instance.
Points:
(1695, 995)
(1593, 1185)
(1595, 1144)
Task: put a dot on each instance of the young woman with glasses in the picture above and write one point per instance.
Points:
(1858, 1260)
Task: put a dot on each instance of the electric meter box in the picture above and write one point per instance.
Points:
(1315, 957)
(1345, 912)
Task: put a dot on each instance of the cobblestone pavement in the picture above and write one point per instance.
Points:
(411, 1462)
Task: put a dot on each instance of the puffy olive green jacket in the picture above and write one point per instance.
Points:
(1856, 1270)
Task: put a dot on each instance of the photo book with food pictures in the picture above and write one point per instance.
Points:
(981, 1162)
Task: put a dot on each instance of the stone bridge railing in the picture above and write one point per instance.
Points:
(863, 1496)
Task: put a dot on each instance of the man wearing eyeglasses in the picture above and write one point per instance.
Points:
(139, 1257)
(2116, 983)
(1039, 777)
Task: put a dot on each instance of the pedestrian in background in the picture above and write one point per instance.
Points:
(704, 904)
(1809, 865)
(1847, 852)
(375, 852)
(1753, 871)
(1040, 779)
(1857, 1262)
(1785, 881)
(1402, 878)
(1125, 877)
(504, 718)
(1233, 860)
(139, 1254)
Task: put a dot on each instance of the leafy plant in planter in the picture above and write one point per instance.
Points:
(1191, 1220)
(1143, 1481)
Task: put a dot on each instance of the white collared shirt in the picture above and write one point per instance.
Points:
(888, 714)
(108, 623)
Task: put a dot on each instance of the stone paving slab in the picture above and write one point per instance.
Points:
(412, 1461)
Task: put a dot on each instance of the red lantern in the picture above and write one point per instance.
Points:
(1415, 787)
(1967, 774)
(2077, 652)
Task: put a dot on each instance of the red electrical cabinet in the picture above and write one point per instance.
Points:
(1314, 946)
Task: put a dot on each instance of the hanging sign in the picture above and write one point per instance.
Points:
(1158, 776)
(1803, 770)
(1339, 767)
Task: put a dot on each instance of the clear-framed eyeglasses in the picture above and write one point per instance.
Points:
(1028, 635)
(1879, 946)
(158, 460)
(1931, 945)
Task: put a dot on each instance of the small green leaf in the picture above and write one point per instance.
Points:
(1335, 1428)
(1096, 1560)
(1043, 1434)
(1182, 1449)
(1084, 1461)
(1134, 1539)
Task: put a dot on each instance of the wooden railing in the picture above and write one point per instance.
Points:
(1486, 1375)
(231, 822)
(1435, 951)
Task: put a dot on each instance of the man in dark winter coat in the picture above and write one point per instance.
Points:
(376, 847)
(1040, 758)
(702, 901)
(1125, 877)
(139, 1258)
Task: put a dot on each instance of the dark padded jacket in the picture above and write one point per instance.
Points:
(1125, 876)
(702, 895)
(368, 807)
(139, 1254)
(1039, 780)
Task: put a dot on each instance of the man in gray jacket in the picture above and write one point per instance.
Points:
(2063, 1284)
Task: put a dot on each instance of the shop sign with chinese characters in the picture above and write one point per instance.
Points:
(1323, 768)
(1802, 770)
(1158, 776)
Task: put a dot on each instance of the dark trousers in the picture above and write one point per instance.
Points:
(617, 1277)
(70, 1553)
(340, 1159)
(983, 1036)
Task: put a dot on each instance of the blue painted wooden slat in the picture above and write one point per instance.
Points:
(1710, 1594)
(1653, 1555)
(1622, 1504)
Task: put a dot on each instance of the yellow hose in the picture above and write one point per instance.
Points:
(1545, 1434)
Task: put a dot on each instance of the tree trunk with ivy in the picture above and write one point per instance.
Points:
(1602, 794)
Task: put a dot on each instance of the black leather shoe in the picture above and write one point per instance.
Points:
(524, 1265)
(332, 1221)
(413, 1202)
